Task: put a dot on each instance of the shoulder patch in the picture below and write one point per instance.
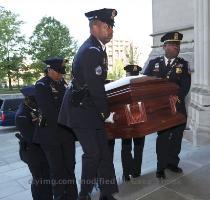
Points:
(98, 70)
(95, 48)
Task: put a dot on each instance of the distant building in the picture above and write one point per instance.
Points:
(118, 49)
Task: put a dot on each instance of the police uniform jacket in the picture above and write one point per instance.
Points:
(178, 73)
(32, 154)
(89, 68)
(24, 123)
(49, 95)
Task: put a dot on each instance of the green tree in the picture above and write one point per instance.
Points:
(132, 54)
(12, 45)
(117, 71)
(50, 38)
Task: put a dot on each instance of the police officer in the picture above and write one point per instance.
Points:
(56, 141)
(85, 106)
(132, 164)
(26, 119)
(176, 70)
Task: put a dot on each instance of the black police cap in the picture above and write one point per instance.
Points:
(105, 15)
(57, 64)
(172, 37)
(132, 70)
(28, 90)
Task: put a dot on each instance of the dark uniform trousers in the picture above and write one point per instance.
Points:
(62, 165)
(34, 157)
(171, 140)
(132, 164)
(96, 158)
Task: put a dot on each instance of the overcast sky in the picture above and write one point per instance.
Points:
(133, 22)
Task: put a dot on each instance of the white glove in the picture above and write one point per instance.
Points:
(110, 119)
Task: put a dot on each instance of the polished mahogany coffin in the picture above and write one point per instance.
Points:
(142, 105)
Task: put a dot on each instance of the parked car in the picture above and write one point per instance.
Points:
(8, 108)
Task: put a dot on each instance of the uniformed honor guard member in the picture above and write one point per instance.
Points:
(131, 165)
(176, 70)
(26, 119)
(85, 106)
(56, 141)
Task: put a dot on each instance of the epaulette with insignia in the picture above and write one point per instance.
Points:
(40, 83)
(181, 59)
(21, 116)
(95, 48)
(157, 59)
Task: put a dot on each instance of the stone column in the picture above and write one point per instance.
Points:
(200, 92)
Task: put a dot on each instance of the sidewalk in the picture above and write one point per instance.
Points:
(193, 184)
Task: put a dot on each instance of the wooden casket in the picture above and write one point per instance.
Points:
(142, 105)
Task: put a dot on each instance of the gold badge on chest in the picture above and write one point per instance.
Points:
(179, 68)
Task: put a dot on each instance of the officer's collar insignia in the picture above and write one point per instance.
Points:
(157, 65)
(98, 70)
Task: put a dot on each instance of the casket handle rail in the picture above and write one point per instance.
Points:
(135, 113)
(173, 100)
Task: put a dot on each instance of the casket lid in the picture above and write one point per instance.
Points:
(121, 82)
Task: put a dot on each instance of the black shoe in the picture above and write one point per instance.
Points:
(126, 178)
(102, 197)
(160, 174)
(174, 168)
(86, 197)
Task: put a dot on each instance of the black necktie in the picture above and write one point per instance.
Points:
(168, 63)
